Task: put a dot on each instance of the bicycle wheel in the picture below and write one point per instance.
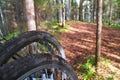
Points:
(38, 67)
(16, 44)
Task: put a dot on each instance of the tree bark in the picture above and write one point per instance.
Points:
(30, 14)
(31, 24)
(80, 10)
(67, 8)
(59, 2)
(98, 33)
(18, 15)
(94, 10)
(110, 13)
(77, 9)
(63, 13)
(3, 29)
(3, 22)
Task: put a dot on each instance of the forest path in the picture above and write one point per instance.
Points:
(79, 42)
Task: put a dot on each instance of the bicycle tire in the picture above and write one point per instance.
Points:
(15, 44)
(22, 68)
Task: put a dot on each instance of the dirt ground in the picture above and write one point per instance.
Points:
(79, 42)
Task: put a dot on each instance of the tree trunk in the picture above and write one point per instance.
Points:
(18, 15)
(31, 25)
(30, 14)
(52, 14)
(98, 33)
(63, 13)
(67, 8)
(4, 31)
(94, 10)
(59, 2)
(110, 13)
(3, 21)
(80, 10)
(77, 9)
(87, 11)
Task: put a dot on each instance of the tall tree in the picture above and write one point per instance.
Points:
(94, 10)
(53, 6)
(80, 9)
(59, 2)
(67, 9)
(4, 27)
(110, 13)
(98, 32)
(77, 9)
(18, 4)
(3, 22)
(63, 13)
(86, 11)
(31, 24)
(30, 14)
(118, 11)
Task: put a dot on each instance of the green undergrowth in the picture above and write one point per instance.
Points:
(76, 21)
(113, 25)
(117, 26)
(58, 29)
(15, 33)
(80, 21)
(53, 27)
(106, 71)
(86, 70)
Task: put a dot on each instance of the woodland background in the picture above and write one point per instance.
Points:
(82, 19)
(13, 13)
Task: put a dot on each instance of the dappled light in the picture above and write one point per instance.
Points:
(79, 42)
(82, 33)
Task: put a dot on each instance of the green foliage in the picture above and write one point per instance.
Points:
(113, 25)
(41, 2)
(42, 48)
(51, 23)
(54, 27)
(87, 69)
(118, 8)
(117, 26)
(106, 24)
(76, 21)
(11, 35)
(60, 29)
(110, 78)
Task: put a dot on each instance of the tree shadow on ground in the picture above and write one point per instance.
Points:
(79, 42)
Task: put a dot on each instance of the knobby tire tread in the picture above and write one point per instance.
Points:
(18, 68)
(15, 44)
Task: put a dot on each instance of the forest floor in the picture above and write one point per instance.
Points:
(79, 42)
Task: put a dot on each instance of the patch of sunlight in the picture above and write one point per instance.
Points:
(111, 70)
(109, 65)
(55, 26)
(114, 44)
(117, 38)
(88, 40)
(112, 55)
(83, 46)
(74, 30)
